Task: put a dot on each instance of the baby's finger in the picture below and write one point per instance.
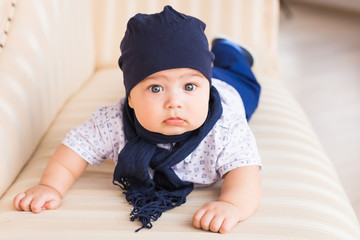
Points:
(53, 204)
(206, 220)
(37, 205)
(216, 223)
(17, 200)
(25, 203)
(227, 225)
(197, 217)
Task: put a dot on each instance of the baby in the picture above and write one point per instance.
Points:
(177, 127)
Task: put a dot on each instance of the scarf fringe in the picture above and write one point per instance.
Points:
(149, 206)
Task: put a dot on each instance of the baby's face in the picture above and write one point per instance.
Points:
(171, 102)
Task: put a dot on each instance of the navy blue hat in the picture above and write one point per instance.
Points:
(161, 41)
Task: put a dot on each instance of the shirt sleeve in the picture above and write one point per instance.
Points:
(100, 137)
(240, 149)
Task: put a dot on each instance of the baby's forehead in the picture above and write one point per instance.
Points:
(176, 73)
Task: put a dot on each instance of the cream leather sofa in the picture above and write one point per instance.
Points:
(58, 62)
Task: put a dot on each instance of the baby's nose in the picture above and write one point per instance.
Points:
(174, 101)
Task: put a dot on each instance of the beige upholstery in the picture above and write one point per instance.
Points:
(58, 63)
(48, 54)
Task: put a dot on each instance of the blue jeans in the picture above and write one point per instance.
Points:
(231, 66)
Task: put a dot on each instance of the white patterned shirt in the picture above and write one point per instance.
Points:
(229, 145)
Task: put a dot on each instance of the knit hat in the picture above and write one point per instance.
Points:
(161, 41)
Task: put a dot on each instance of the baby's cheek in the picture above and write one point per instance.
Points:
(200, 115)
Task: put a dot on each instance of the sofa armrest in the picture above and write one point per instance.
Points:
(47, 54)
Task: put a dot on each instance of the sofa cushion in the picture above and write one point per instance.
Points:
(303, 198)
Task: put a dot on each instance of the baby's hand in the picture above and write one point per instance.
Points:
(217, 216)
(38, 198)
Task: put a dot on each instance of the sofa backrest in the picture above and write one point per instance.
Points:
(46, 54)
(252, 22)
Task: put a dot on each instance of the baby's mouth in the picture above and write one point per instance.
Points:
(175, 121)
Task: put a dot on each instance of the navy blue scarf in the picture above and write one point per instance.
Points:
(150, 197)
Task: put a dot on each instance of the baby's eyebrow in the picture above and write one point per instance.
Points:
(187, 75)
(153, 78)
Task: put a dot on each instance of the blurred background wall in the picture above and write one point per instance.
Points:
(319, 53)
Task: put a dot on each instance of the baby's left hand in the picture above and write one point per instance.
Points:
(217, 216)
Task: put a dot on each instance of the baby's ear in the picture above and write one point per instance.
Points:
(130, 102)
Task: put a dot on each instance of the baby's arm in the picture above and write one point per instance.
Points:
(240, 196)
(64, 167)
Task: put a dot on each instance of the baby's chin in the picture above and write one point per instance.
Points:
(172, 131)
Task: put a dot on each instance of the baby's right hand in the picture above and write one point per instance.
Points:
(38, 198)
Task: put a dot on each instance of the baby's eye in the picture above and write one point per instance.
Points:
(190, 87)
(155, 88)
